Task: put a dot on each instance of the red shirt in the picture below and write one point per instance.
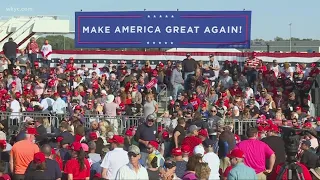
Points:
(192, 142)
(226, 172)
(33, 46)
(73, 167)
(225, 102)
(235, 91)
(195, 103)
(314, 71)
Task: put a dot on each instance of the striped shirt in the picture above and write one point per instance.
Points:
(252, 63)
(33, 47)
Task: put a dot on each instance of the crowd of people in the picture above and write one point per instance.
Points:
(193, 139)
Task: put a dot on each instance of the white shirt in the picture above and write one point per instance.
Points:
(15, 109)
(97, 70)
(213, 162)
(216, 64)
(59, 106)
(226, 81)
(47, 49)
(113, 161)
(45, 103)
(127, 172)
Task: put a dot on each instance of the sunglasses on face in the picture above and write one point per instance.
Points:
(131, 154)
(30, 123)
(213, 111)
(169, 165)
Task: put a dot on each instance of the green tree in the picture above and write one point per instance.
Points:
(259, 40)
(278, 38)
(58, 42)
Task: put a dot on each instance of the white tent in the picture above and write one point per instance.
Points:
(202, 50)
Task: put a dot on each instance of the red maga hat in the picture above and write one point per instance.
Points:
(237, 153)
(165, 135)
(154, 144)
(116, 139)
(93, 136)
(129, 133)
(59, 138)
(39, 157)
(203, 132)
(32, 131)
(76, 146)
(186, 149)
(176, 152)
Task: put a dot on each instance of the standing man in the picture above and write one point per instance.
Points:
(177, 80)
(46, 52)
(189, 65)
(10, 51)
(276, 143)
(132, 170)
(146, 132)
(32, 49)
(256, 153)
(239, 169)
(22, 154)
(214, 65)
(110, 109)
(114, 159)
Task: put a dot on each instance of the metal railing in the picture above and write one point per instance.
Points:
(119, 124)
(164, 90)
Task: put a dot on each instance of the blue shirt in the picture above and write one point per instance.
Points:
(241, 171)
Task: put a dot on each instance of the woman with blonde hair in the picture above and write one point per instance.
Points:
(77, 81)
(202, 171)
(47, 125)
(287, 70)
(270, 102)
(150, 106)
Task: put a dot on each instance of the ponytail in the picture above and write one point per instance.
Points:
(80, 158)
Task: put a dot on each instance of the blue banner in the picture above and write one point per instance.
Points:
(163, 29)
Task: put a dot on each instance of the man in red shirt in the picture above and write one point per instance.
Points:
(192, 140)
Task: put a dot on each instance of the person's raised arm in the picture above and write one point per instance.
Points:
(175, 137)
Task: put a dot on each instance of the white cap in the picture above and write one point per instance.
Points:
(226, 71)
(199, 150)
(104, 92)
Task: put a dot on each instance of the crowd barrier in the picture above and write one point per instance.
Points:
(15, 121)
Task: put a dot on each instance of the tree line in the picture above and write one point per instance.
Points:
(59, 42)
